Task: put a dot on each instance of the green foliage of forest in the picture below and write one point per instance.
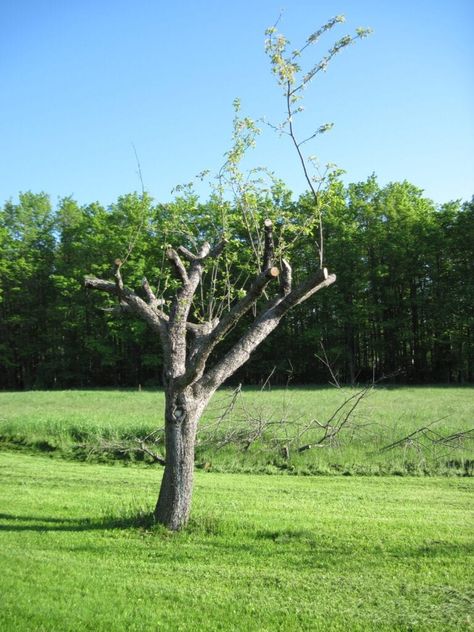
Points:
(402, 304)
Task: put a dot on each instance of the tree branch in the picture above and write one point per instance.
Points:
(94, 283)
(202, 329)
(263, 325)
(305, 290)
(207, 343)
(218, 248)
(177, 265)
(154, 318)
(184, 297)
(153, 302)
(187, 254)
(286, 278)
(241, 351)
(121, 308)
(118, 277)
(181, 306)
(269, 246)
(205, 252)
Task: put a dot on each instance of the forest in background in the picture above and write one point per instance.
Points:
(402, 306)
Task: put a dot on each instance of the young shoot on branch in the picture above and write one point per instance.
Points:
(199, 352)
(294, 80)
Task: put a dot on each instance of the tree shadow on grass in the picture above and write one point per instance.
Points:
(313, 541)
(201, 526)
(297, 546)
(138, 520)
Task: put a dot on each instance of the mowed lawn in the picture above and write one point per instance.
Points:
(262, 553)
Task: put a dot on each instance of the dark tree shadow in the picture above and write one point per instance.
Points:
(306, 546)
(140, 520)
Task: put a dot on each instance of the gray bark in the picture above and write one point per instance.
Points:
(189, 383)
(174, 501)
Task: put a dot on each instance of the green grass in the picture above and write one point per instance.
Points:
(77, 552)
(75, 424)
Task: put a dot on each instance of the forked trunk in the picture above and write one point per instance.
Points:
(187, 346)
(174, 500)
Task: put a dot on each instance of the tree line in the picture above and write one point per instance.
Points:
(402, 305)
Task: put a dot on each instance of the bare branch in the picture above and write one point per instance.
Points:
(241, 351)
(267, 379)
(310, 446)
(262, 326)
(456, 437)
(286, 278)
(423, 432)
(99, 284)
(209, 435)
(328, 365)
(187, 254)
(148, 291)
(205, 251)
(118, 277)
(178, 324)
(182, 302)
(294, 140)
(207, 344)
(154, 318)
(197, 329)
(157, 458)
(202, 329)
(177, 265)
(269, 246)
(124, 448)
(291, 431)
(218, 248)
(303, 292)
(153, 302)
(118, 309)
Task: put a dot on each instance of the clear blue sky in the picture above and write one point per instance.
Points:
(83, 80)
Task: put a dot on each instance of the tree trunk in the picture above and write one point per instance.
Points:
(189, 386)
(174, 500)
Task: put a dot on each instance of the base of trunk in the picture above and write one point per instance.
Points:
(174, 501)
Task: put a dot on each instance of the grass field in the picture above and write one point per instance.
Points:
(78, 424)
(79, 550)
(262, 552)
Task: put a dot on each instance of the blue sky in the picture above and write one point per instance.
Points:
(84, 81)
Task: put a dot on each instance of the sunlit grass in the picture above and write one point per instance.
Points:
(63, 421)
(79, 552)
